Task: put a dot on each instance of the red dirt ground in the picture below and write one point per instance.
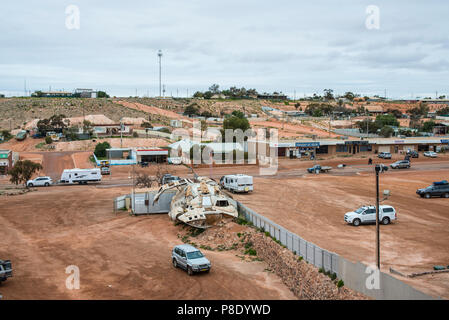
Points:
(119, 256)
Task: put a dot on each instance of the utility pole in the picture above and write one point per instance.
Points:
(378, 169)
(121, 134)
(159, 54)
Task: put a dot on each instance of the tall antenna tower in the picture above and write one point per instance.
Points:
(159, 54)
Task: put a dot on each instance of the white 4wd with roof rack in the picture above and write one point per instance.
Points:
(367, 214)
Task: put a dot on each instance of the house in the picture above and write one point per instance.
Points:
(274, 96)
(6, 161)
(175, 123)
(151, 154)
(85, 93)
(374, 109)
(218, 150)
(52, 94)
(112, 129)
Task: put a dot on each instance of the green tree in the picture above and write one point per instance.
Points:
(198, 94)
(100, 149)
(349, 95)
(208, 95)
(203, 125)
(386, 120)
(328, 94)
(102, 94)
(235, 123)
(48, 140)
(191, 110)
(367, 123)
(238, 114)
(386, 131)
(428, 126)
(6, 135)
(419, 111)
(443, 111)
(397, 113)
(23, 170)
(215, 88)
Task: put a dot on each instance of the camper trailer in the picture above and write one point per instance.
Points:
(81, 176)
(237, 183)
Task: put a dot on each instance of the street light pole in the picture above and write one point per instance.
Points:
(378, 169)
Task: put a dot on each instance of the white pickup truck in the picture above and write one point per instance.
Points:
(367, 214)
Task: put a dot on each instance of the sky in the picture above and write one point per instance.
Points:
(294, 46)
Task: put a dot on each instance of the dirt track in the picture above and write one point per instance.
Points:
(313, 207)
(119, 256)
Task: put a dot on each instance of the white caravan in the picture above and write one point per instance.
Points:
(81, 176)
(237, 183)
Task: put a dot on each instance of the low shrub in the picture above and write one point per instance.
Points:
(340, 283)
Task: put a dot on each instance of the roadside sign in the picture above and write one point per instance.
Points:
(307, 144)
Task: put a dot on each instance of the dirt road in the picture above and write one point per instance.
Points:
(313, 206)
(119, 256)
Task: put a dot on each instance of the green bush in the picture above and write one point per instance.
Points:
(48, 140)
(248, 245)
(340, 283)
(242, 221)
(100, 149)
(251, 252)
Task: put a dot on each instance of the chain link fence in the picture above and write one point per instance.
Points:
(356, 276)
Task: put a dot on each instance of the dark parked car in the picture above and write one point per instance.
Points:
(167, 178)
(413, 154)
(401, 164)
(437, 189)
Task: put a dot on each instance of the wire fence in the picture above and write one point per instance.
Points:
(356, 276)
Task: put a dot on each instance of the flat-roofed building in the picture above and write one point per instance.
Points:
(6, 161)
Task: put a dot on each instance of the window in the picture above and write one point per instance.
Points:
(342, 148)
(222, 203)
(365, 148)
(194, 255)
(387, 210)
(322, 149)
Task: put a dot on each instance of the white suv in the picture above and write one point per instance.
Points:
(40, 182)
(367, 214)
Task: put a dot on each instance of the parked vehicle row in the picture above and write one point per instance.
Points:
(410, 154)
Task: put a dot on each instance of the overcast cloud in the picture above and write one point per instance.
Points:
(282, 45)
